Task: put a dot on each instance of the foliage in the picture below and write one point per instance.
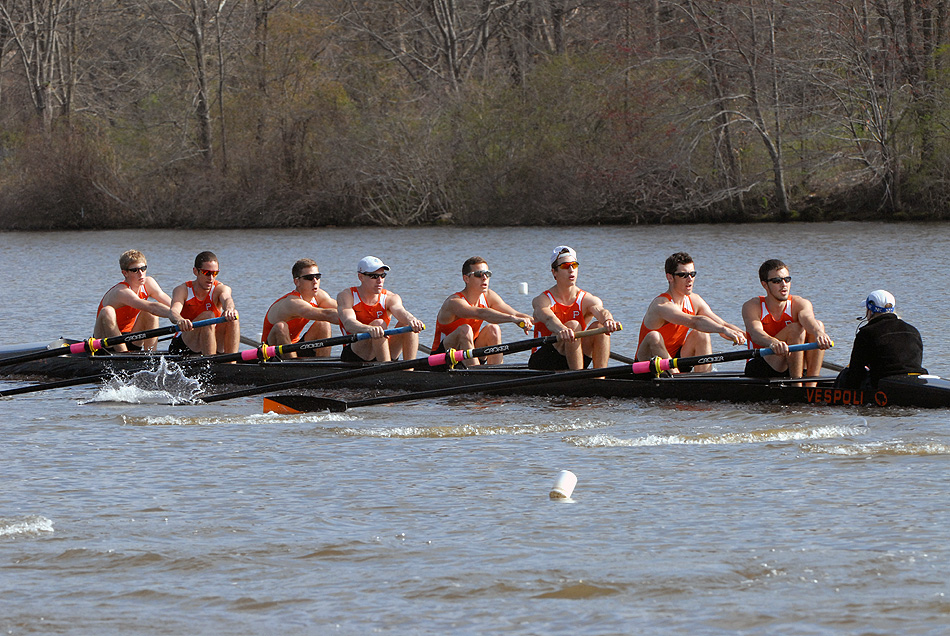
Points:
(259, 113)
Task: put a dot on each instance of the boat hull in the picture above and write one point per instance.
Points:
(914, 391)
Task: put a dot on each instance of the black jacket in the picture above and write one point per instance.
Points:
(886, 346)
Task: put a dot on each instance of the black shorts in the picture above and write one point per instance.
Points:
(548, 358)
(759, 368)
(347, 355)
(177, 345)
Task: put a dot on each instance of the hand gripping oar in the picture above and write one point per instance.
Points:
(434, 360)
(95, 344)
(265, 352)
(307, 403)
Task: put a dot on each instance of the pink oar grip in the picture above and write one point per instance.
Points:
(437, 360)
(80, 347)
(250, 354)
(646, 366)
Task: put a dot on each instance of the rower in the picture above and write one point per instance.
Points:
(883, 347)
(288, 316)
(369, 308)
(564, 309)
(459, 323)
(779, 319)
(134, 304)
(202, 298)
(678, 322)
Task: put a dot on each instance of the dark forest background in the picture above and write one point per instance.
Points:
(271, 113)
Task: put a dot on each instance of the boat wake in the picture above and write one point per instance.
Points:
(218, 420)
(748, 437)
(893, 448)
(165, 383)
(467, 430)
(28, 525)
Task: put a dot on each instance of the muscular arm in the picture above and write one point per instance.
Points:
(347, 315)
(402, 315)
(497, 311)
(806, 316)
(593, 306)
(225, 302)
(704, 320)
(161, 306)
(753, 324)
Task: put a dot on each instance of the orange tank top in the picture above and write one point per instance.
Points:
(673, 335)
(368, 313)
(564, 313)
(772, 325)
(125, 316)
(194, 306)
(443, 330)
(294, 325)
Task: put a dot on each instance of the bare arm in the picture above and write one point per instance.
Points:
(595, 307)
(703, 320)
(347, 315)
(497, 311)
(545, 315)
(226, 302)
(402, 315)
(806, 316)
(753, 324)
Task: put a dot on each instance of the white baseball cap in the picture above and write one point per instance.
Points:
(881, 301)
(369, 264)
(563, 250)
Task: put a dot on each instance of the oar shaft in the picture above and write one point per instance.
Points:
(96, 344)
(433, 360)
(265, 352)
(570, 376)
(33, 388)
(126, 338)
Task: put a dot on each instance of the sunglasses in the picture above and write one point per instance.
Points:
(685, 274)
(570, 265)
(135, 270)
(374, 276)
(775, 280)
(213, 273)
(316, 276)
(480, 273)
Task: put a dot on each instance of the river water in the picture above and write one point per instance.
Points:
(434, 517)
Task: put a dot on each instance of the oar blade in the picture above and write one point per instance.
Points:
(295, 404)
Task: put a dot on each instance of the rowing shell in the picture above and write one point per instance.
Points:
(918, 391)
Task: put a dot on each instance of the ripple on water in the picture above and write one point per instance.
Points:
(894, 448)
(728, 437)
(468, 430)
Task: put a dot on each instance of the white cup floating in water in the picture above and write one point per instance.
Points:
(563, 485)
(523, 288)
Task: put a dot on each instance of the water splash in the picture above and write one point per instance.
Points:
(165, 383)
(28, 525)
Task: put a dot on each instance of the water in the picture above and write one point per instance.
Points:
(433, 517)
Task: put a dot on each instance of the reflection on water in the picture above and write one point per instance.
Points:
(434, 517)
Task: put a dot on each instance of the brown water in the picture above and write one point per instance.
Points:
(433, 517)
